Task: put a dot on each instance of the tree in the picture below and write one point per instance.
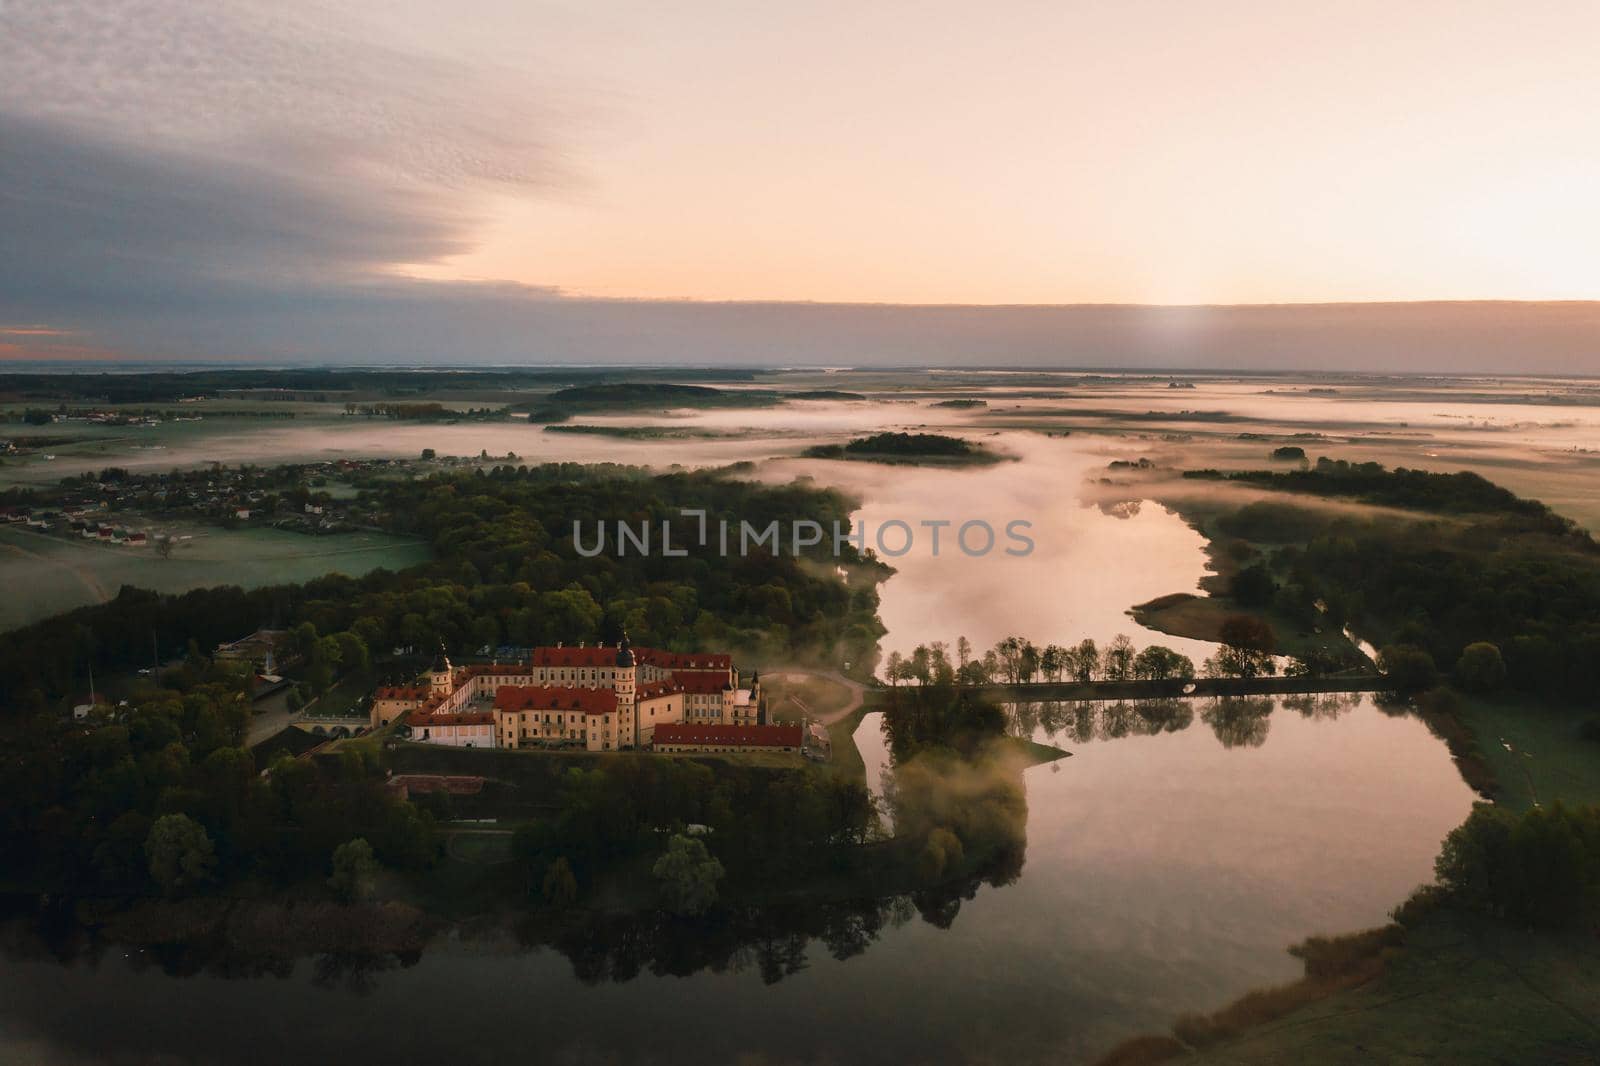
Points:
(1084, 661)
(354, 653)
(560, 887)
(355, 871)
(1480, 668)
(179, 852)
(688, 875)
(1117, 662)
(1051, 660)
(1542, 868)
(1408, 668)
(1247, 647)
(1254, 586)
(1157, 663)
(893, 669)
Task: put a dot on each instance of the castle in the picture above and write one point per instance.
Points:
(599, 698)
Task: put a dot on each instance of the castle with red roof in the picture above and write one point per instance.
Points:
(599, 698)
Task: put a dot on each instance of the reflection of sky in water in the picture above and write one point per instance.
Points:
(1086, 569)
(1167, 872)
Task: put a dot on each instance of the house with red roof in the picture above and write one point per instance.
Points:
(728, 738)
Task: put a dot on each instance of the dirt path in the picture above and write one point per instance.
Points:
(857, 690)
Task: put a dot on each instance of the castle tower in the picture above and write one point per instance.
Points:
(627, 672)
(627, 676)
(439, 675)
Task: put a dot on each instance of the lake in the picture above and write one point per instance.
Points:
(1170, 860)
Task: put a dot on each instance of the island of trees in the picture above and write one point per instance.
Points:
(905, 448)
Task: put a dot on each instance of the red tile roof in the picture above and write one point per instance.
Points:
(595, 656)
(555, 698)
(701, 682)
(658, 688)
(766, 736)
(401, 692)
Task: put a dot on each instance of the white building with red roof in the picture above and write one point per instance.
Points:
(599, 698)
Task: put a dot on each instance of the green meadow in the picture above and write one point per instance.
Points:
(44, 574)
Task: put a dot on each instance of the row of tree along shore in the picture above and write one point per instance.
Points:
(1164, 689)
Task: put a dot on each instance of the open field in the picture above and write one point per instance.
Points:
(1462, 991)
(46, 574)
(1536, 752)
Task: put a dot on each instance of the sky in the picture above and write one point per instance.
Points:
(524, 181)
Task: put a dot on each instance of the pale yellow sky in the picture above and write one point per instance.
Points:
(1057, 153)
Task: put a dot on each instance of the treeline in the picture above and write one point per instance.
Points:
(1017, 660)
(159, 794)
(631, 395)
(170, 386)
(1420, 490)
(507, 572)
(1538, 868)
(930, 445)
(423, 412)
(1498, 572)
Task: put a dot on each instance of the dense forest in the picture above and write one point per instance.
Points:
(167, 798)
(506, 571)
(1475, 565)
(1459, 493)
(899, 446)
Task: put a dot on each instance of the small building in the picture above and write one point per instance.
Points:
(474, 729)
(391, 701)
(404, 786)
(727, 738)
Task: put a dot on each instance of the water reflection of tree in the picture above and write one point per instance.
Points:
(774, 940)
(1083, 721)
(1239, 721)
(1325, 706)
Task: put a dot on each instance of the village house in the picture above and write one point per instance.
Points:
(599, 698)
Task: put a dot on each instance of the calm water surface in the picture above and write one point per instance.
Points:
(1170, 860)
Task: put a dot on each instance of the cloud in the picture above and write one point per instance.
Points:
(161, 157)
(279, 86)
(240, 181)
